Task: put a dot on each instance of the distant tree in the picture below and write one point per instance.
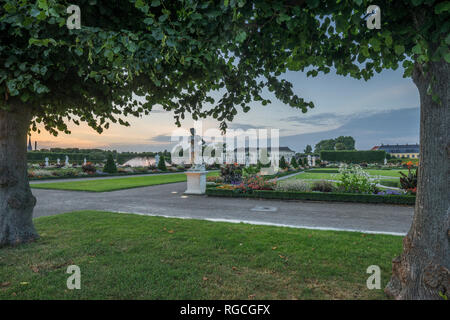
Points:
(327, 144)
(110, 166)
(347, 141)
(340, 146)
(294, 163)
(283, 164)
(162, 163)
(308, 149)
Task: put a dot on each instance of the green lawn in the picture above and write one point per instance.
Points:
(124, 256)
(335, 176)
(102, 185)
(316, 176)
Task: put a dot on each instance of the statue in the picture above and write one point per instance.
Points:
(196, 175)
(46, 161)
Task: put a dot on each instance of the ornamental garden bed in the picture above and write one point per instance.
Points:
(313, 196)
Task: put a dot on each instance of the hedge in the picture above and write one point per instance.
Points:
(315, 196)
(352, 156)
(53, 156)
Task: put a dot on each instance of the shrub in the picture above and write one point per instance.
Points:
(231, 173)
(40, 173)
(162, 163)
(110, 166)
(250, 171)
(283, 164)
(255, 183)
(409, 182)
(322, 186)
(214, 179)
(293, 185)
(353, 179)
(294, 163)
(89, 168)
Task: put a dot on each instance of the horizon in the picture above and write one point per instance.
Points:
(345, 101)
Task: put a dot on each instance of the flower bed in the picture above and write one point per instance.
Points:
(231, 191)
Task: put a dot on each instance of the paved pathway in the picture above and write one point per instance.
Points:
(168, 200)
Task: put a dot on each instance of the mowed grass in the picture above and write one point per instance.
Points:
(103, 185)
(310, 174)
(125, 256)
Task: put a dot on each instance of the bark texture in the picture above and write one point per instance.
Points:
(16, 199)
(422, 271)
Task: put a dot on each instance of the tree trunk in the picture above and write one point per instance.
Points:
(16, 199)
(422, 271)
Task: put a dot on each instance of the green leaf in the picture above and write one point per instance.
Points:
(375, 43)
(139, 4)
(241, 36)
(43, 4)
(399, 49)
(313, 3)
(156, 3)
(447, 57)
(442, 7)
(417, 49)
(388, 40)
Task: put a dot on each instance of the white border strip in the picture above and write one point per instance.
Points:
(262, 223)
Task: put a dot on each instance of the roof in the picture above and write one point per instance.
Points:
(399, 148)
(269, 149)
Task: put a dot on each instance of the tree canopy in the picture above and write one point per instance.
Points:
(176, 53)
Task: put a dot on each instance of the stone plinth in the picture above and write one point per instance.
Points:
(196, 182)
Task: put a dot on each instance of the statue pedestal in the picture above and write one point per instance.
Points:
(196, 182)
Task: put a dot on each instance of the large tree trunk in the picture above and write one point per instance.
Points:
(16, 199)
(422, 271)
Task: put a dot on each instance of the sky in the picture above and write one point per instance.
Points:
(381, 110)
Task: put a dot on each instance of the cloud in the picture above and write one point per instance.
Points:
(245, 127)
(394, 126)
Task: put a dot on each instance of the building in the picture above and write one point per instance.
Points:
(254, 154)
(400, 150)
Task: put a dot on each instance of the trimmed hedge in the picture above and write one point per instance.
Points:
(315, 196)
(37, 156)
(352, 156)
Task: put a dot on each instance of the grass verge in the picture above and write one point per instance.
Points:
(124, 256)
(103, 185)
